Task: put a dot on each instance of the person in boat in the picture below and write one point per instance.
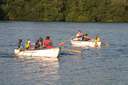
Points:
(20, 44)
(28, 44)
(86, 37)
(79, 35)
(38, 43)
(41, 42)
(97, 39)
(47, 43)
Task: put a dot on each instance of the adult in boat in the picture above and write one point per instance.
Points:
(28, 44)
(79, 35)
(20, 44)
(86, 37)
(97, 39)
(38, 43)
(47, 43)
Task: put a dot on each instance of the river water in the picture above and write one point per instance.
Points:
(105, 66)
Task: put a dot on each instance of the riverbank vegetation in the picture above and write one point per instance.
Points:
(65, 10)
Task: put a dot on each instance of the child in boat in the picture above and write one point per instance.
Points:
(39, 44)
(28, 44)
(20, 44)
(47, 43)
(97, 39)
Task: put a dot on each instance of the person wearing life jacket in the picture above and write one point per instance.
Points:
(47, 43)
(28, 44)
(97, 39)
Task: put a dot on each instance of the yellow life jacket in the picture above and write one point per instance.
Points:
(27, 44)
(96, 41)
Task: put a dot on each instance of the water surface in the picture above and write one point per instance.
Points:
(105, 66)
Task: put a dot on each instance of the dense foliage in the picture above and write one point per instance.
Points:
(65, 10)
(2, 13)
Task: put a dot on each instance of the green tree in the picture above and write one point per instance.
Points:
(2, 13)
(66, 10)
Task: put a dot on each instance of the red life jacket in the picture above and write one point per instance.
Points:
(48, 43)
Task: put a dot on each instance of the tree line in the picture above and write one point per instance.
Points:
(65, 10)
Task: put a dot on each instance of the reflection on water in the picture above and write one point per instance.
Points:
(34, 71)
(41, 70)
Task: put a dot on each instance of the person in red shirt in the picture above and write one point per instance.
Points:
(47, 43)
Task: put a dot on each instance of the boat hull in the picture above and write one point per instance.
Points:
(53, 52)
(85, 44)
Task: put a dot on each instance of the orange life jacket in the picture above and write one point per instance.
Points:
(48, 43)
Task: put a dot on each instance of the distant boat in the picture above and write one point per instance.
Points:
(86, 44)
(52, 52)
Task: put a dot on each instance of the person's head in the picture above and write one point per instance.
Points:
(38, 40)
(20, 40)
(47, 37)
(86, 34)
